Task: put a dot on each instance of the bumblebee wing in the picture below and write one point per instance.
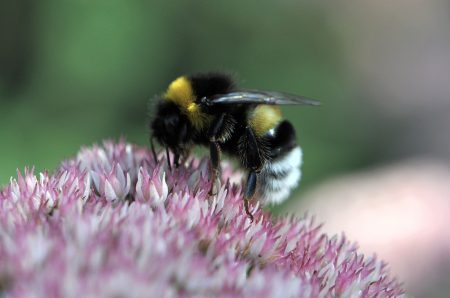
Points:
(261, 97)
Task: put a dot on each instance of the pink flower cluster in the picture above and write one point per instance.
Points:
(112, 223)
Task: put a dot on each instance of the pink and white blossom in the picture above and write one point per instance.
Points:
(112, 223)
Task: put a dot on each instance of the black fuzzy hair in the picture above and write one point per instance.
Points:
(208, 84)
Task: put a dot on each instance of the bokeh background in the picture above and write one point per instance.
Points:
(377, 152)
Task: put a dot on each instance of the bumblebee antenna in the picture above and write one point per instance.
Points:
(168, 158)
(152, 145)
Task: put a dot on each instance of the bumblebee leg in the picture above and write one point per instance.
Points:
(214, 151)
(216, 127)
(254, 151)
(168, 159)
(181, 137)
(250, 188)
(152, 145)
(176, 159)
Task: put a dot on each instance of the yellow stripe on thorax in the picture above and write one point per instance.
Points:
(181, 93)
(264, 118)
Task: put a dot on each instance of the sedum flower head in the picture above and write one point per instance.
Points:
(112, 223)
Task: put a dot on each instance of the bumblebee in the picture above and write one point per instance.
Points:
(209, 110)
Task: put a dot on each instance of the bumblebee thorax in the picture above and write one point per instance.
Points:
(182, 94)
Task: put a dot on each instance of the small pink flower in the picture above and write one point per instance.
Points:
(111, 222)
(113, 185)
(153, 188)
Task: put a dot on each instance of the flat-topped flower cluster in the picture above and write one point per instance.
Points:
(113, 223)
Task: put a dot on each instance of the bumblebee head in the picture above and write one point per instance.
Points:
(186, 91)
(171, 128)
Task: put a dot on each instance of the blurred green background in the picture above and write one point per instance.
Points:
(77, 72)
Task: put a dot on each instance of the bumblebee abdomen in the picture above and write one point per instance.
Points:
(281, 171)
(264, 118)
(279, 176)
